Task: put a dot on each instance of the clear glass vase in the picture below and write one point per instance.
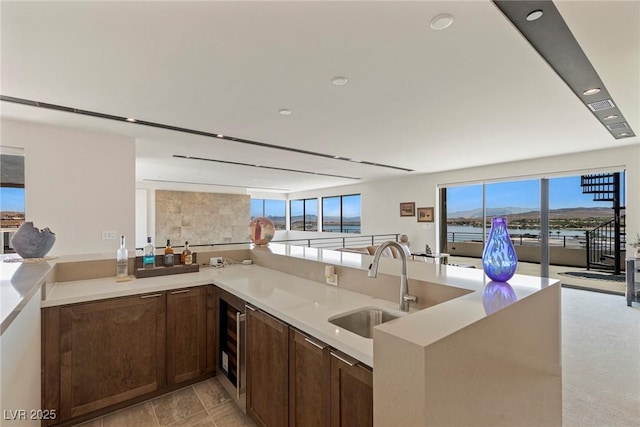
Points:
(499, 259)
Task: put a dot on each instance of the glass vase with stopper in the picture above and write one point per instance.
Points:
(122, 260)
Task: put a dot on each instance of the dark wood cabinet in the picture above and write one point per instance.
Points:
(267, 369)
(351, 392)
(106, 352)
(97, 356)
(309, 381)
(212, 330)
(186, 334)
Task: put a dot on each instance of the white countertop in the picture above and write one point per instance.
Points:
(302, 303)
(18, 283)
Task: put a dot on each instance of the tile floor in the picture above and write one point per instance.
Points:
(205, 404)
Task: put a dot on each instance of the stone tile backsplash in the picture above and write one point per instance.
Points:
(201, 218)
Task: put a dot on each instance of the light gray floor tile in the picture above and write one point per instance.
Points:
(201, 419)
(176, 406)
(211, 393)
(139, 415)
(230, 415)
(93, 423)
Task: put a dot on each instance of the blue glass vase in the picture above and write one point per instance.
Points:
(499, 259)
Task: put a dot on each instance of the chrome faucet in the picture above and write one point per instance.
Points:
(405, 298)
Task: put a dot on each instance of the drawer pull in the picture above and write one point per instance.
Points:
(184, 291)
(312, 342)
(151, 296)
(346, 359)
(249, 307)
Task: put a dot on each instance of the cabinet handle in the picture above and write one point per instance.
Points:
(151, 296)
(345, 359)
(312, 342)
(249, 307)
(184, 291)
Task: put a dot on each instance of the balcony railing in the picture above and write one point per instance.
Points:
(524, 239)
(317, 242)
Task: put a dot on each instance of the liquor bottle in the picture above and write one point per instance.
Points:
(168, 255)
(122, 260)
(186, 258)
(149, 257)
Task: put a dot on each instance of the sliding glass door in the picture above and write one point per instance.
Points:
(571, 221)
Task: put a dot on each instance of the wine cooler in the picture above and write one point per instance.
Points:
(231, 345)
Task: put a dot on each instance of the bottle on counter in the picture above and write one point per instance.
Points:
(122, 260)
(168, 254)
(149, 255)
(186, 257)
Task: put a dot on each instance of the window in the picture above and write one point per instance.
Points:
(272, 209)
(341, 214)
(304, 215)
(11, 193)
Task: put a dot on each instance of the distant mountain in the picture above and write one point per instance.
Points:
(529, 213)
(477, 213)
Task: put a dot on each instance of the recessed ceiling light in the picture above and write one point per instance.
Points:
(284, 112)
(536, 14)
(131, 120)
(442, 21)
(611, 117)
(339, 80)
(591, 91)
(220, 136)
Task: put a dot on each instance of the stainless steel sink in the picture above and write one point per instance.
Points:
(363, 320)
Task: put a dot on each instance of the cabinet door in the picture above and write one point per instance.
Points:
(309, 381)
(267, 369)
(186, 334)
(110, 351)
(351, 392)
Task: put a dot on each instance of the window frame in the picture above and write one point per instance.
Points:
(264, 208)
(304, 213)
(341, 205)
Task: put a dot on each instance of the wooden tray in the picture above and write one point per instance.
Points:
(163, 271)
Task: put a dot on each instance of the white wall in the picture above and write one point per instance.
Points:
(381, 199)
(78, 184)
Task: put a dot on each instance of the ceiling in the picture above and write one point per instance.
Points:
(473, 94)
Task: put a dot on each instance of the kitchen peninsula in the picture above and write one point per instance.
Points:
(471, 352)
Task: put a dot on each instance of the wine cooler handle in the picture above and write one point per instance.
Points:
(240, 334)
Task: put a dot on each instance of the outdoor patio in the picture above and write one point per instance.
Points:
(571, 277)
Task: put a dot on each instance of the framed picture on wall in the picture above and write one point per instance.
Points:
(407, 209)
(425, 214)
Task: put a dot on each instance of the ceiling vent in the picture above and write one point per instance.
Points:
(618, 126)
(605, 104)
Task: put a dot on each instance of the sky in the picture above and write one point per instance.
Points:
(12, 199)
(564, 192)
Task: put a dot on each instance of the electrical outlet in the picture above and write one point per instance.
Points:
(109, 235)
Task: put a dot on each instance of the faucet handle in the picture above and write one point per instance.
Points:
(410, 298)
